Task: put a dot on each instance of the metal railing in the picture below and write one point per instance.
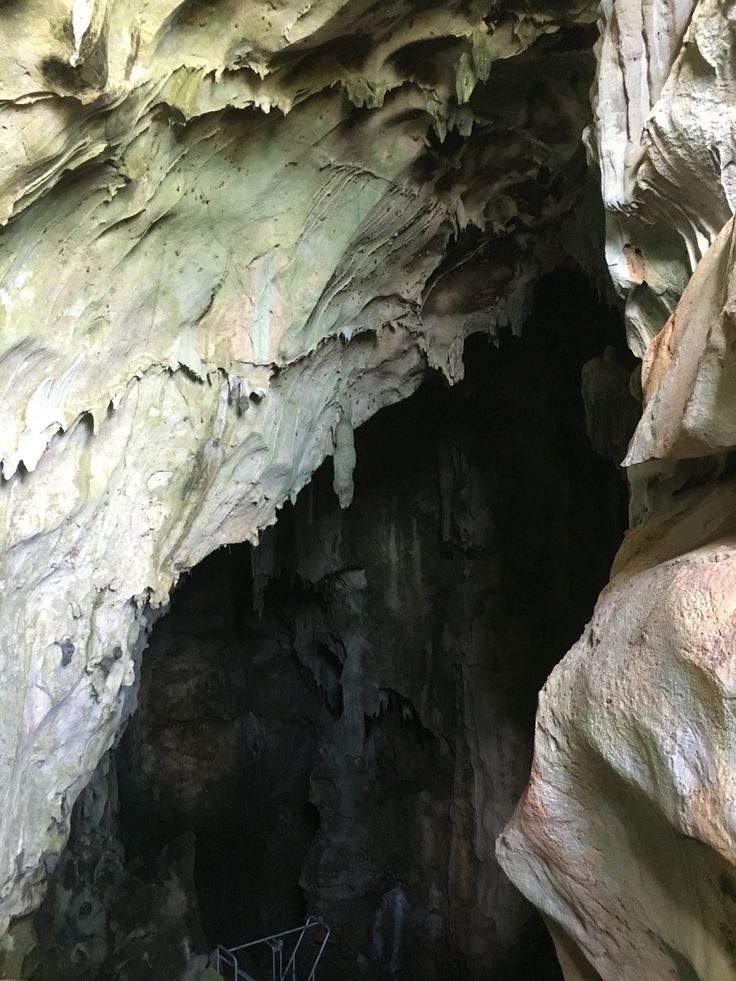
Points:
(278, 944)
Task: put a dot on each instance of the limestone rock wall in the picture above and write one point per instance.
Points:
(225, 226)
(342, 718)
(663, 135)
(625, 835)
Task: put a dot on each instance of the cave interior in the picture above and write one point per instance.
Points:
(339, 721)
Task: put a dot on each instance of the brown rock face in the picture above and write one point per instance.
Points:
(625, 835)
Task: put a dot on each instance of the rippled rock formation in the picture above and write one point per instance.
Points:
(232, 233)
(227, 226)
(625, 836)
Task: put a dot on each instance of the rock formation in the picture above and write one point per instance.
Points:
(235, 231)
(625, 835)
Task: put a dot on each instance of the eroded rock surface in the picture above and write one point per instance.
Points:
(688, 376)
(664, 103)
(227, 225)
(233, 230)
(343, 716)
(625, 835)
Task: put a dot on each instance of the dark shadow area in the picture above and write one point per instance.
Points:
(319, 712)
(340, 722)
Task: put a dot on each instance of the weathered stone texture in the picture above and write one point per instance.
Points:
(625, 836)
(227, 225)
(664, 104)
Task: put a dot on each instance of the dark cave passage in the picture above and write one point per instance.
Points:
(343, 718)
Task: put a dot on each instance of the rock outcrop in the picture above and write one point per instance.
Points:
(663, 136)
(226, 226)
(342, 717)
(232, 232)
(625, 835)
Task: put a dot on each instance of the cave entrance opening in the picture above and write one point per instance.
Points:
(343, 717)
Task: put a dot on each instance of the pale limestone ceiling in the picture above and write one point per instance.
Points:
(227, 227)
